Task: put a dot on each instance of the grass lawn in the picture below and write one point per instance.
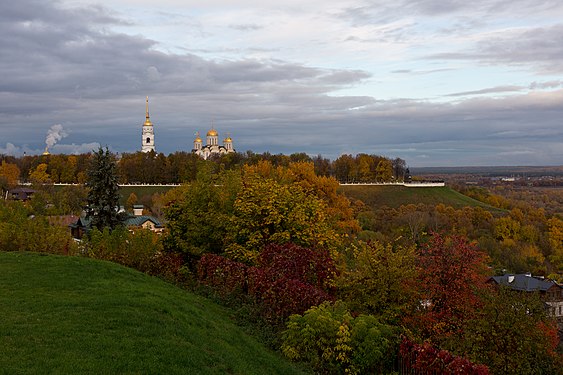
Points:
(395, 196)
(141, 191)
(75, 315)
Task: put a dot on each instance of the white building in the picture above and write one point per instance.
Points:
(147, 139)
(212, 145)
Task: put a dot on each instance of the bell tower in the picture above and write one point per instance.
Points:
(147, 141)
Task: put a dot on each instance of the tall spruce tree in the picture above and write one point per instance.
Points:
(103, 191)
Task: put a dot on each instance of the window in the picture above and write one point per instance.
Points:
(148, 140)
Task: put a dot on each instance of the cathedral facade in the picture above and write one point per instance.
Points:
(212, 145)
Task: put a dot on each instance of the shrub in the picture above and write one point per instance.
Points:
(141, 250)
(20, 231)
(225, 276)
(288, 279)
(280, 298)
(332, 341)
(313, 267)
(425, 358)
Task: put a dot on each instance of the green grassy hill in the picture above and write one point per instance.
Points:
(395, 196)
(141, 191)
(75, 315)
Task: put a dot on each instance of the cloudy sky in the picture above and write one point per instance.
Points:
(435, 82)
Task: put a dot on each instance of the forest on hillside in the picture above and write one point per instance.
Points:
(182, 167)
(345, 284)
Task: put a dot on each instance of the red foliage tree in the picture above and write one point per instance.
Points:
(225, 276)
(450, 272)
(426, 359)
(289, 279)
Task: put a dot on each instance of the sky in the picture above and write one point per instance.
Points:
(434, 82)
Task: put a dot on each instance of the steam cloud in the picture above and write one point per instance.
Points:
(55, 134)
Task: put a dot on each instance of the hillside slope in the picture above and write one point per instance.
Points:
(77, 315)
(395, 196)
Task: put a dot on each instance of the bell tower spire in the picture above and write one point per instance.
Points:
(147, 117)
(147, 141)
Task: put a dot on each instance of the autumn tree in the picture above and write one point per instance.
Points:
(288, 204)
(198, 214)
(39, 175)
(10, 172)
(450, 270)
(103, 190)
(384, 171)
(511, 334)
(131, 201)
(555, 234)
(377, 279)
(343, 168)
(267, 211)
(334, 341)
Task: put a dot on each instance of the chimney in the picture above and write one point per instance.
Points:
(138, 209)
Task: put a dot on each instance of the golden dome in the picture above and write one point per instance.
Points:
(228, 140)
(198, 139)
(147, 122)
(212, 133)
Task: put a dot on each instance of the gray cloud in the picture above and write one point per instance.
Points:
(65, 66)
(381, 10)
(537, 47)
(546, 85)
(490, 90)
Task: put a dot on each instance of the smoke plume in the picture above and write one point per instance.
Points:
(55, 134)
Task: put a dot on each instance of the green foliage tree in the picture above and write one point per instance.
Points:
(21, 231)
(378, 279)
(333, 341)
(198, 214)
(103, 191)
(512, 334)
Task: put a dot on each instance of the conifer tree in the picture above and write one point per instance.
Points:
(103, 190)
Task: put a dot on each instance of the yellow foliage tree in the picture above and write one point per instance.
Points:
(267, 211)
(384, 171)
(10, 172)
(556, 241)
(39, 174)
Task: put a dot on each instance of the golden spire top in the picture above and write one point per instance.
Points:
(148, 119)
(212, 132)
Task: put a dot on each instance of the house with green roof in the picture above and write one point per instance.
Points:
(83, 225)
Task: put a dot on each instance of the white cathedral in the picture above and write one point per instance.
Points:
(212, 145)
(212, 140)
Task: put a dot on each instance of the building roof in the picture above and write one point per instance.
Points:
(62, 220)
(524, 282)
(129, 221)
(137, 221)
